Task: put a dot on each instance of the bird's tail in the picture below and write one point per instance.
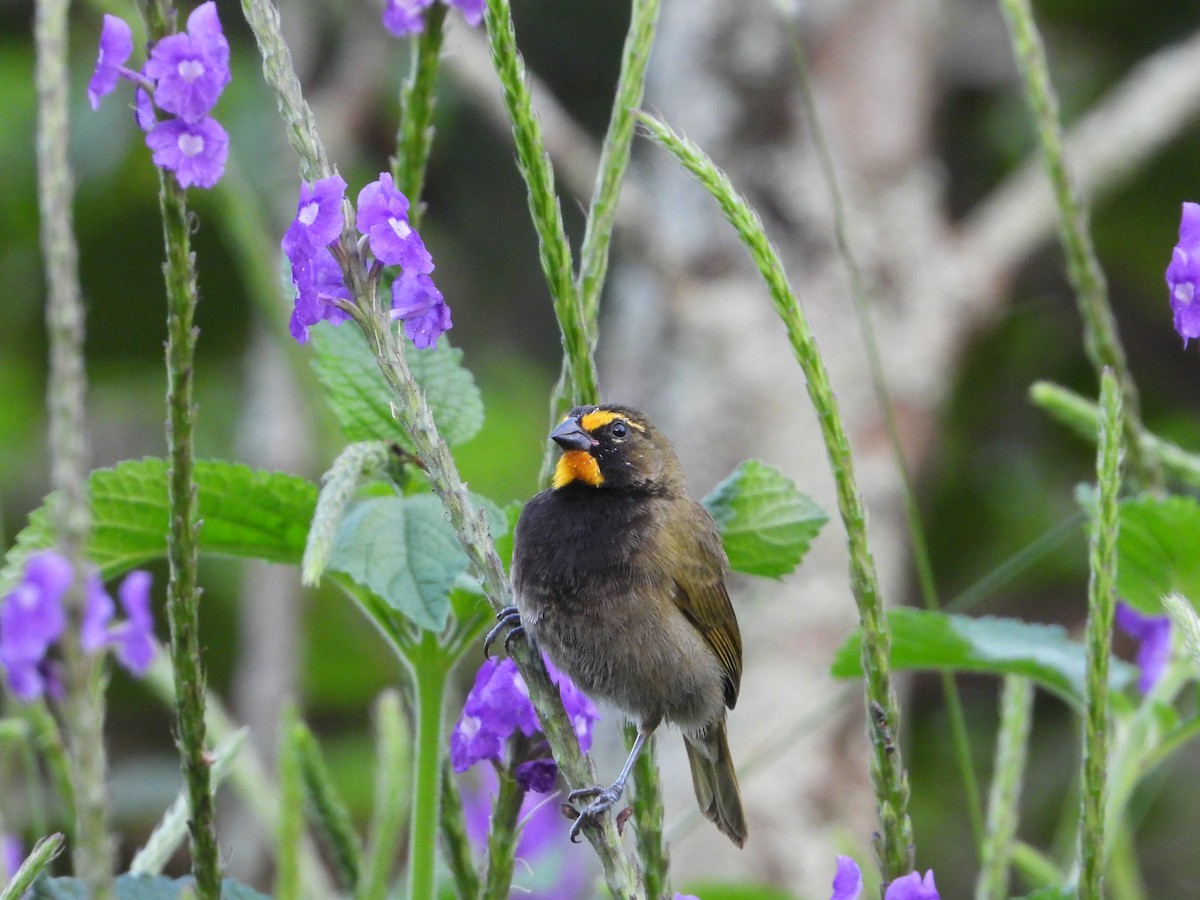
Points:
(716, 782)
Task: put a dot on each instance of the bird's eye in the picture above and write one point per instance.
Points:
(619, 429)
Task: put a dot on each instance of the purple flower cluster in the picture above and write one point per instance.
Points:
(33, 618)
(1183, 274)
(498, 706)
(382, 217)
(402, 17)
(848, 884)
(1153, 634)
(183, 78)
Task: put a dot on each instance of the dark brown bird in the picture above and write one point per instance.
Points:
(619, 576)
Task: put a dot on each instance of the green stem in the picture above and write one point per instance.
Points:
(1101, 341)
(614, 161)
(1083, 417)
(290, 826)
(430, 670)
(1101, 602)
(391, 764)
(455, 844)
(1012, 752)
(912, 512)
(534, 164)
(329, 812)
(504, 830)
(183, 538)
(648, 816)
(896, 848)
(65, 397)
(415, 136)
(42, 855)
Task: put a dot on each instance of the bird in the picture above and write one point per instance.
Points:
(619, 578)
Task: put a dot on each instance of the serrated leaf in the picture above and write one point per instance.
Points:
(934, 640)
(1156, 550)
(245, 512)
(139, 887)
(766, 523)
(403, 550)
(362, 400)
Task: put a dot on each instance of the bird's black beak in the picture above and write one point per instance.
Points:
(570, 436)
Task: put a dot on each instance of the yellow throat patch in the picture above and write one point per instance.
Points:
(577, 465)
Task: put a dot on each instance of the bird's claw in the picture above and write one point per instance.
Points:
(603, 799)
(510, 618)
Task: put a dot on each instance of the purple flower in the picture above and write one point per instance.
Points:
(31, 619)
(383, 218)
(1183, 274)
(679, 896)
(319, 218)
(12, 857)
(537, 775)
(194, 151)
(472, 10)
(498, 705)
(132, 638)
(1153, 634)
(143, 110)
(116, 46)
(319, 282)
(912, 887)
(848, 882)
(191, 69)
(402, 17)
(417, 301)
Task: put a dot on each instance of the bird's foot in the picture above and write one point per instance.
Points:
(603, 799)
(508, 618)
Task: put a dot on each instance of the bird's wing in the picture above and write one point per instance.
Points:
(701, 595)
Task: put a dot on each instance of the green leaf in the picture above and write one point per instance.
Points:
(403, 550)
(245, 512)
(362, 400)
(139, 887)
(1156, 550)
(766, 523)
(936, 640)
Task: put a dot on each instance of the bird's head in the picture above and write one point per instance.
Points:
(613, 447)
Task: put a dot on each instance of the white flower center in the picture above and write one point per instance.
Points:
(308, 213)
(191, 144)
(1185, 292)
(470, 726)
(190, 69)
(400, 227)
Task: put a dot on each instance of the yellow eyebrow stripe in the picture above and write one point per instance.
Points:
(598, 418)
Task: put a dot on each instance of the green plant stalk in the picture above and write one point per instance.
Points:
(330, 813)
(1124, 878)
(456, 847)
(648, 816)
(1101, 339)
(1038, 869)
(42, 855)
(430, 669)
(290, 826)
(1101, 603)
(392, 742)
(1012, 754)
(504, 830)
(602, 210)
(470, 524)
(1083, 416)
(896, 846)
(183, 539)
(48, 740)
(912, 512)
(65, 399)
(553, 247)
(417, 96)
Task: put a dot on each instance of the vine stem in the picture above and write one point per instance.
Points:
(430, 669)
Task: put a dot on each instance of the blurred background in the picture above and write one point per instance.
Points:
(924, 116)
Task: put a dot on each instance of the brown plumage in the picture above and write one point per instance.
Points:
(619, 576)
